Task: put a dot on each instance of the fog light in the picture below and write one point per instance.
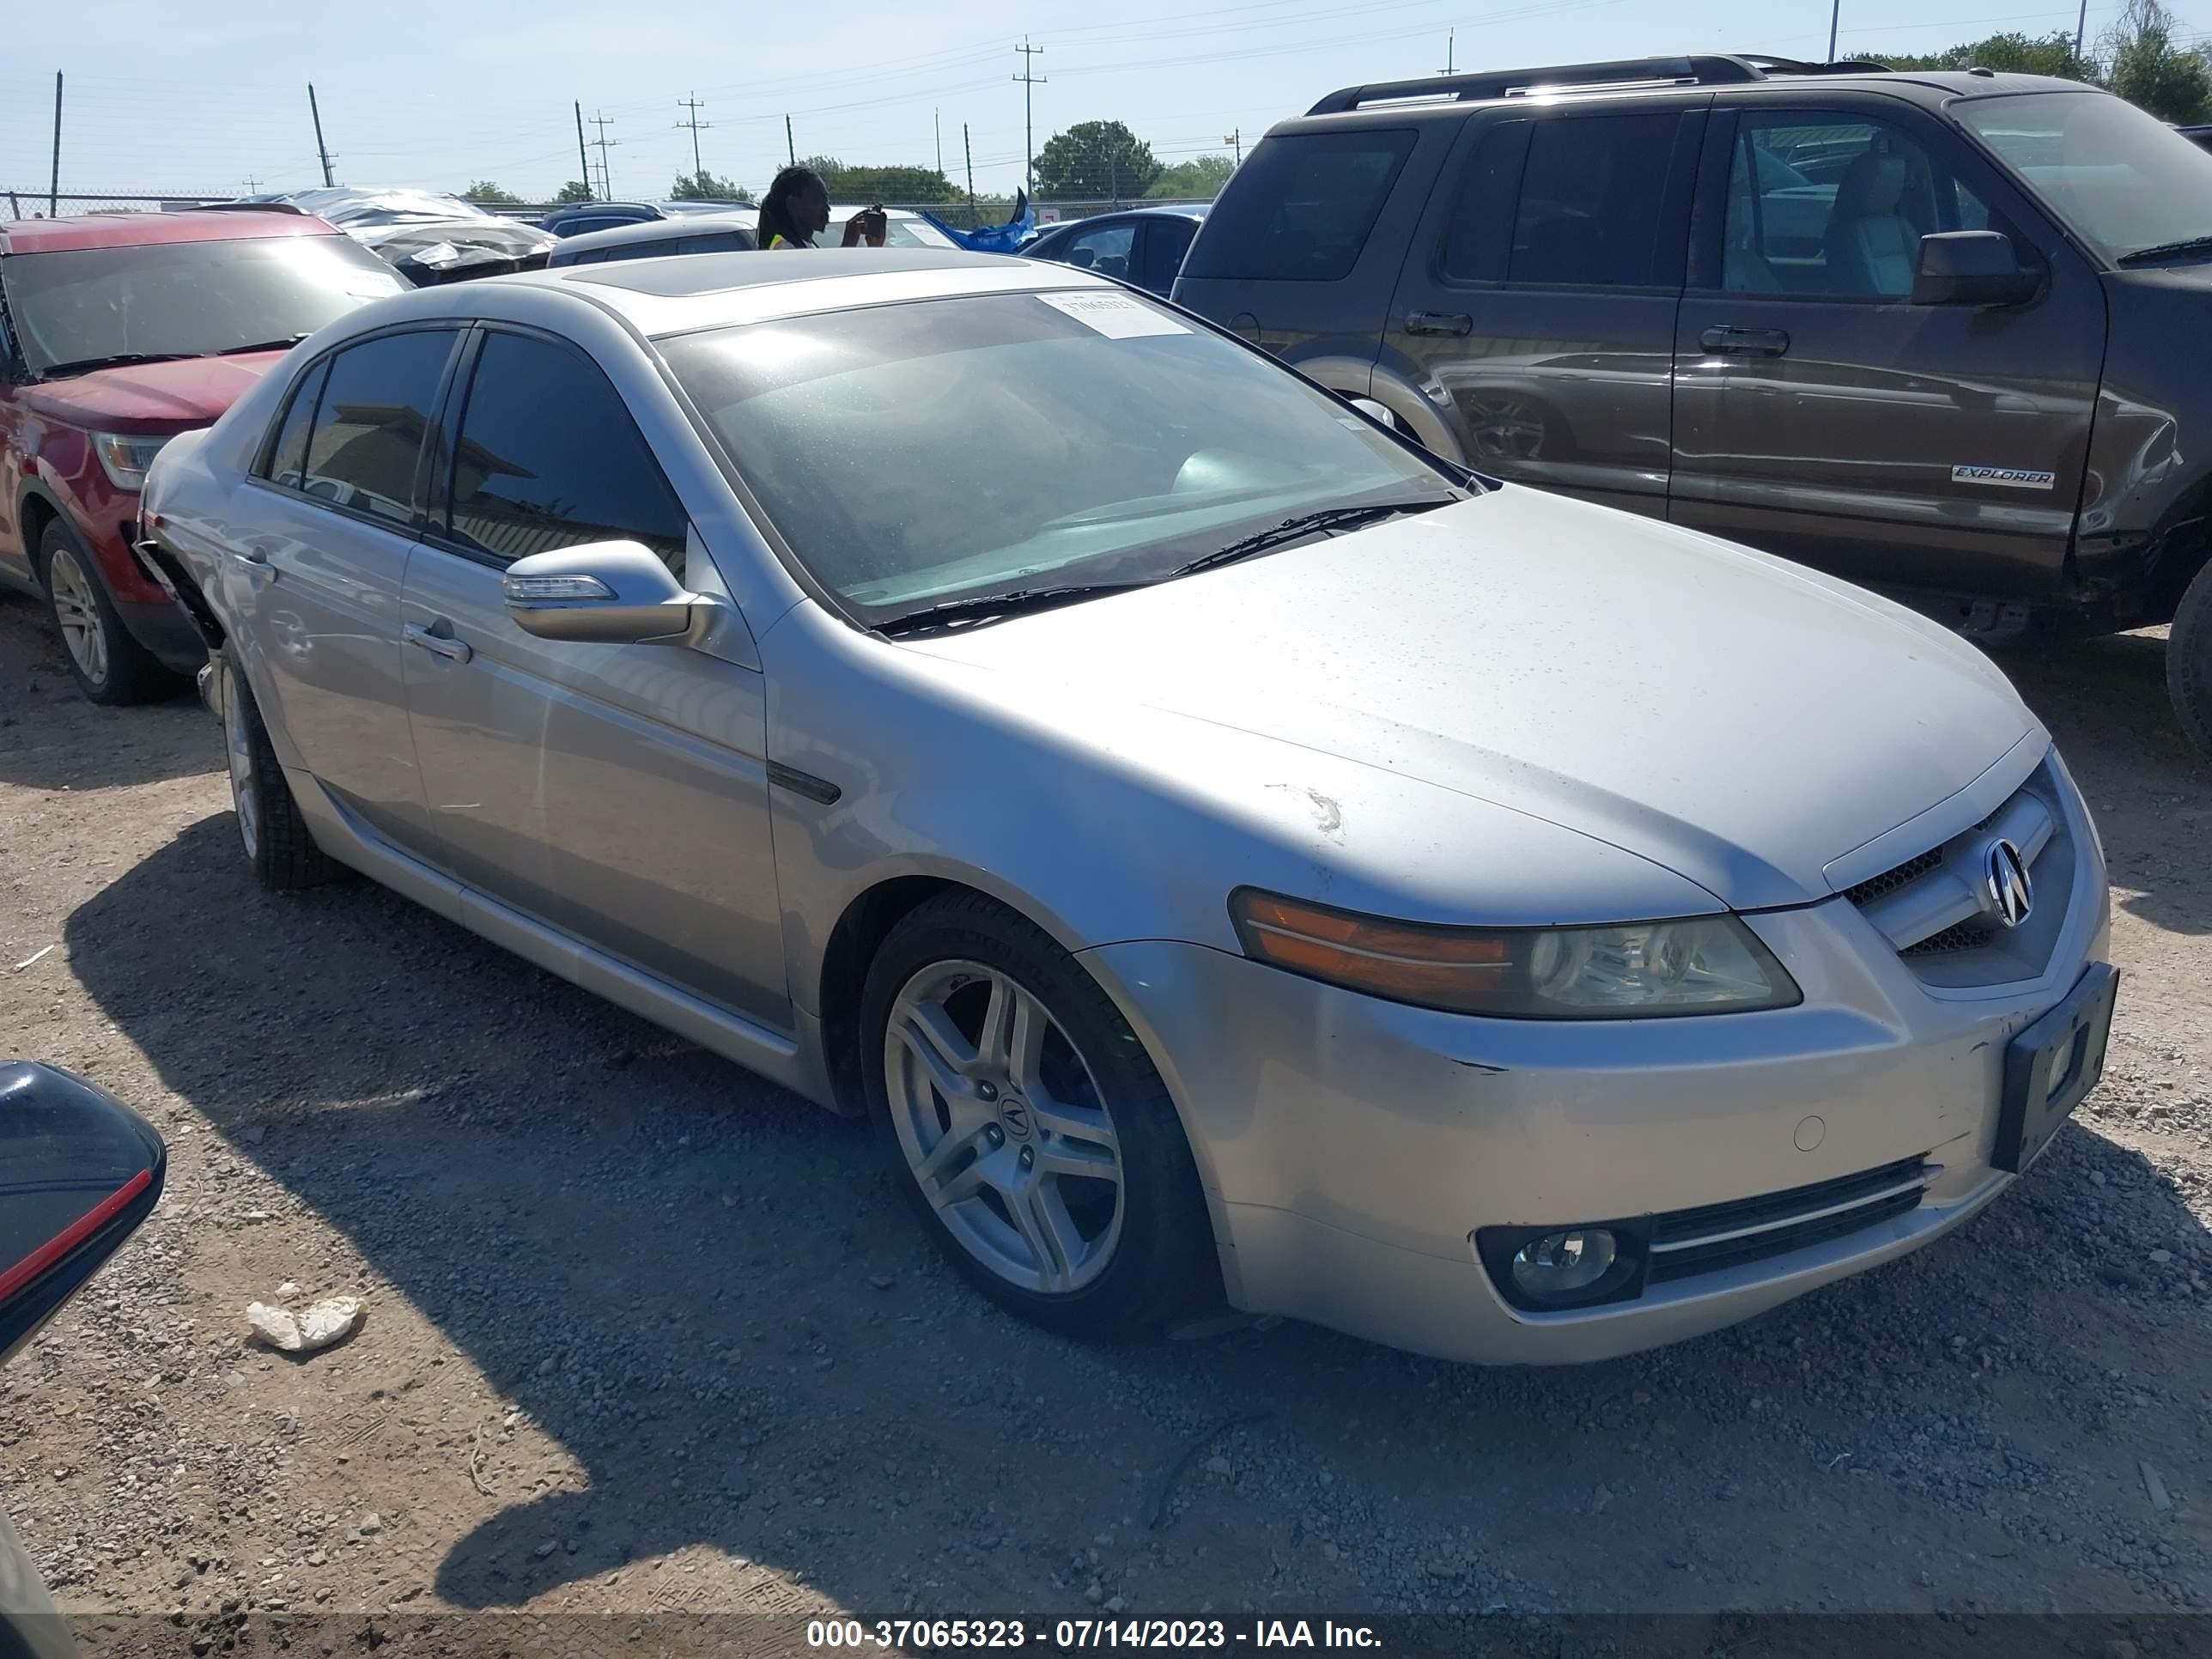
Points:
(1562, 1265)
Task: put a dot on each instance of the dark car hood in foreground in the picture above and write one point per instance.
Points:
(1732, 717)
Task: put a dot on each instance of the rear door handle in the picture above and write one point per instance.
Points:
(1745, 342)
(442, 645)
(1453, 323)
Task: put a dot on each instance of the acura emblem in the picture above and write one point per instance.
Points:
(2011, 894)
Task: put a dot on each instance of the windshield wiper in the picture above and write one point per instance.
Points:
(114, 360)
(1306, 524)
(988, 607)
(284, 344)
(2144, 256)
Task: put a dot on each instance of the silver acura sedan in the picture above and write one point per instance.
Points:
(1233, 854)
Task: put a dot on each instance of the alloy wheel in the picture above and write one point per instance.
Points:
(77, 610)
(1004, 1126)
(237, 739)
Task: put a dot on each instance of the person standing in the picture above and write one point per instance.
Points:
(796, 210)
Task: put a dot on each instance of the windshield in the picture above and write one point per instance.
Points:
(916, 454)
(2123, 181)
(186, 299)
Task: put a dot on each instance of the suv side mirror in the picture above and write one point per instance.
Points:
(79, 1170)
(601, 592)
(1971, 268)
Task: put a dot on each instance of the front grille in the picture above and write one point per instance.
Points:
(1936, 909)
(1685, 1242)
(1889, 881)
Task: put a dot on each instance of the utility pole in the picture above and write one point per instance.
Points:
(583, 156)
(321, 149)
(937, 126)
(790, 149)
(1836, 14)
(2080, 27)
(253, 184)
(969, 151)
(602, 144)
(693, 103)
(1030, 81)
(54, 178)
(1235, 139)
(1451, 38)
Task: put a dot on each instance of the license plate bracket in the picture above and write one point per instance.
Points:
(2051, 1067)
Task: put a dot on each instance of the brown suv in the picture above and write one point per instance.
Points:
(1939, 333)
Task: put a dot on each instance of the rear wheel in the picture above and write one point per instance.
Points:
(1030, 1129)
(277, 844)
(2189, 662)
(108, 666)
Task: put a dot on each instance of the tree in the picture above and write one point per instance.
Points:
(574, 190)
(704, 186)
(2143, 65)
(1197, 180)
(1094, 161)
(2012, 53)
(490, 195)
(863, 185)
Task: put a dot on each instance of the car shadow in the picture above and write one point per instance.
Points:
(147, 744)
(709, 1295)
(2105, 702)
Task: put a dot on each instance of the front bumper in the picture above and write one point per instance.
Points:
(164, 629)
(1351, 1148)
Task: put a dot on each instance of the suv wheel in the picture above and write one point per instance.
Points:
(284, 853)
(1028, 1125)
(109, 665)
(2189, 661)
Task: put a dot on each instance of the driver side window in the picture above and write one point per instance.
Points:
(1834, 207)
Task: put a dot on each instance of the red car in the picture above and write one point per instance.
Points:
(117, 332)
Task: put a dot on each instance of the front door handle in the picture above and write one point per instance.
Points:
(1453, 323)
(443, 644)
(1745, 342)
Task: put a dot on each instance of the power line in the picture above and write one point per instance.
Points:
(693, 103)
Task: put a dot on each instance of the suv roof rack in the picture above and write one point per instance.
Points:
(1702, 69)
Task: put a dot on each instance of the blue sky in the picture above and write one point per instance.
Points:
(436, 95)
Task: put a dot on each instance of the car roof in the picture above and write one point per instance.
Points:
(686, 292)
(657, 230)
(92, 230)
(1191, 210)
(1394, 103)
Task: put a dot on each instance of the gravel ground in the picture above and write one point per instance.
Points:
(649, 1336)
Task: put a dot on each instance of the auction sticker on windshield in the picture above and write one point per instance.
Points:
(1117, 316)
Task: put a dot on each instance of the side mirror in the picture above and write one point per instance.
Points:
(79, 1170)
(601, 594)
(1971, 268)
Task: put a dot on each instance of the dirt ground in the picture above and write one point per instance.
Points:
(647, 1335)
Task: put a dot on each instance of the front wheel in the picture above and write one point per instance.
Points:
(1030, 1129)
(108, 666)
(2189, 662)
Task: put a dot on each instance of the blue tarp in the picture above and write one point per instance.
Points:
(993, 238)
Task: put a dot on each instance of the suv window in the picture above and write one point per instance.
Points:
(1834, 206)
(548, 457)
(1591, 194)
(1301, 207)
(368, 428)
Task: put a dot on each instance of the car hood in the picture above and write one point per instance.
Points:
(1737, 718)
(139, 396)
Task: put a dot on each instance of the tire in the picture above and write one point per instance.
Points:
(109, 666)
(2189, 662)
(284, 856)
(1067, 1192)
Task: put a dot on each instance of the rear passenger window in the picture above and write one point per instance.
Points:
(1301, 207)
(1588, 213)
(288, 456)
(548, 457)
(368, 423)
(721, 242)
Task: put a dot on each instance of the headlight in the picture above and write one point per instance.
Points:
(1698, 965)
(125, 458)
